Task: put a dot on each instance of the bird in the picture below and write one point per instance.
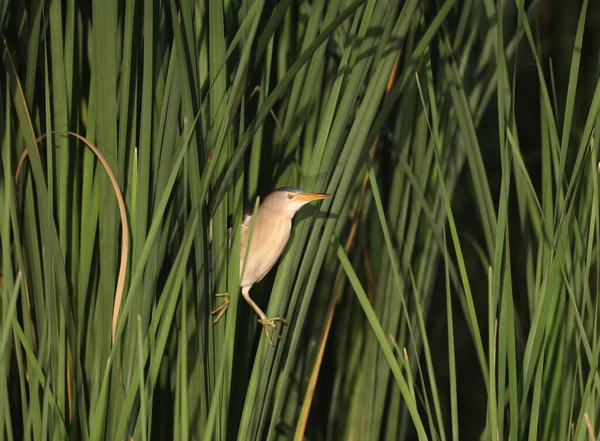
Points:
(268, 234)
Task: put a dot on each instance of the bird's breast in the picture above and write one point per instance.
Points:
(269, 238)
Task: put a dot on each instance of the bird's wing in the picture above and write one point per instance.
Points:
(246, 216)
(248, 210)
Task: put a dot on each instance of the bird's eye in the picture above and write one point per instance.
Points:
(290, 196)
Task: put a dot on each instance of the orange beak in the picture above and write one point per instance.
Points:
(307, 197)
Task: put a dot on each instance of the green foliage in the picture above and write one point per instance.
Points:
(448, 290)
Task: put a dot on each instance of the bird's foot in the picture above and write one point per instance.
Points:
(270, 323)
(220, 311)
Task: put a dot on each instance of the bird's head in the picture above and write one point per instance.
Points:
(290, 200)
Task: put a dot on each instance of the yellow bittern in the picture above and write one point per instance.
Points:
(270, 234)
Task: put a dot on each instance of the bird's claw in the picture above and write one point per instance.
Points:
(220, 311)
(270, 323)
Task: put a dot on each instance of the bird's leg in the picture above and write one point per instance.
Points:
(263, 319)
(220, 311)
